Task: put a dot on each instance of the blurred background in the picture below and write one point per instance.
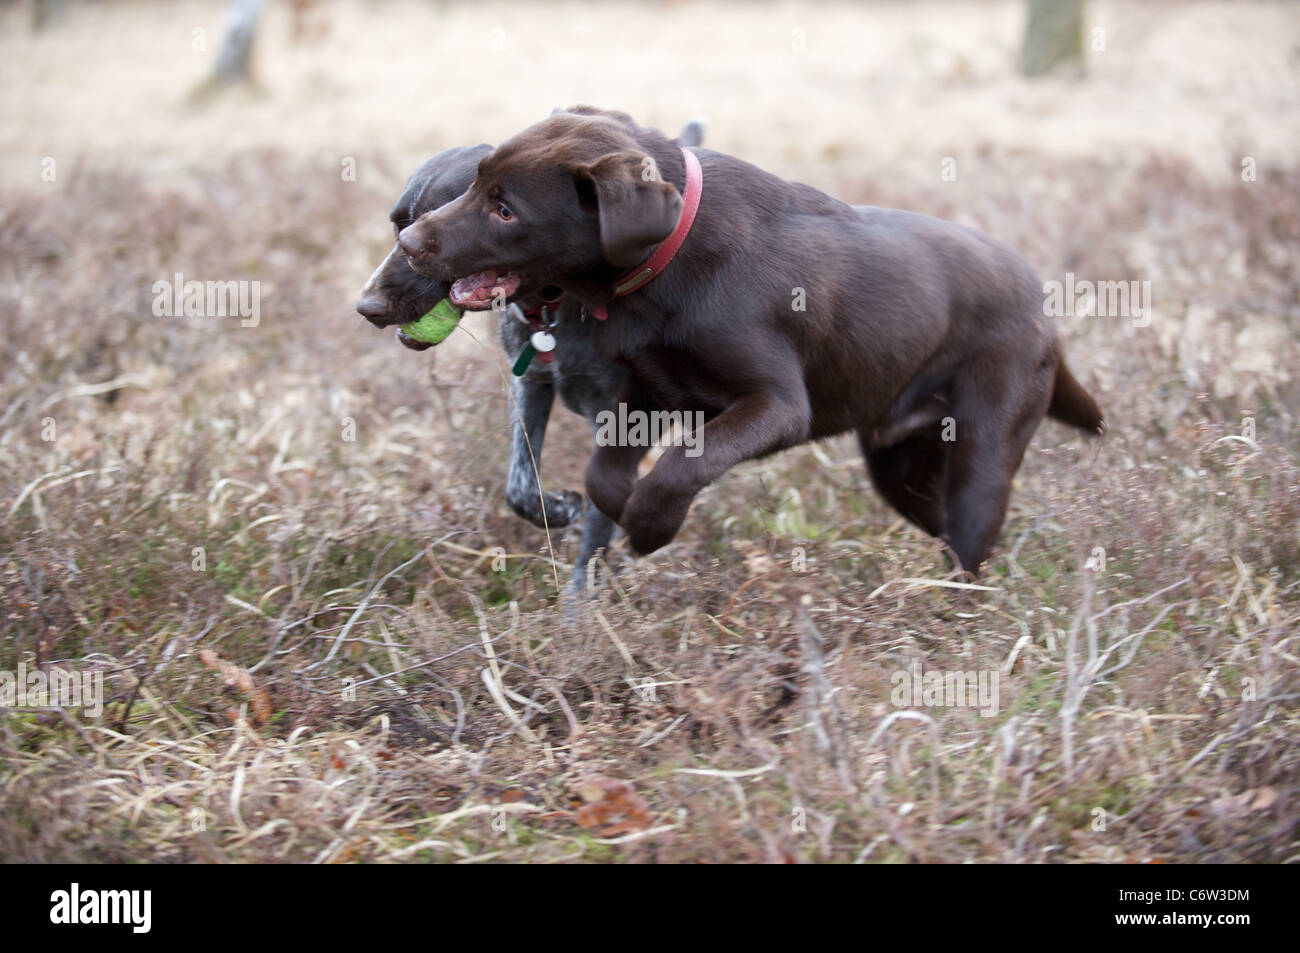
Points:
(172, 484)
(814, 89)
(874, 102)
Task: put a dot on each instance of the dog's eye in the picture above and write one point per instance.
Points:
(503, 212)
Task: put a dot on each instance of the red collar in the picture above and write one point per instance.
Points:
(538, 311)
(541, 318)
(654, 266)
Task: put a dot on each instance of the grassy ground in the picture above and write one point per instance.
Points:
(324, 636)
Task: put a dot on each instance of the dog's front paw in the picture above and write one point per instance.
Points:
(652, 517)
(561, 508)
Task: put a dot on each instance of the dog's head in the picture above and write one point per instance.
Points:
(568, 196)
(396, 293)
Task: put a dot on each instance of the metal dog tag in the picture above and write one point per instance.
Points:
(543, 341)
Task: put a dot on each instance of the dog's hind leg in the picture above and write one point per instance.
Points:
(911, 476)
(530, 409)
(996, 409)
(907, 457)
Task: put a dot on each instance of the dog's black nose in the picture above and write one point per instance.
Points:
(373, 307)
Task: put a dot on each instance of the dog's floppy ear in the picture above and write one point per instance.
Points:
(692, 133)
(637, 208)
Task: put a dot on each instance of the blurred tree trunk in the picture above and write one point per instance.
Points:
(1053, 35)
(234, 62)
(44, 13)
(234, 66)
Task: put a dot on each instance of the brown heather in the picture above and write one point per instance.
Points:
(349, 678)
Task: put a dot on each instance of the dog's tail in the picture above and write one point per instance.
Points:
(1073, 405)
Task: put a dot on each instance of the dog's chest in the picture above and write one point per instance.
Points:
(624, 336)
(676, 383)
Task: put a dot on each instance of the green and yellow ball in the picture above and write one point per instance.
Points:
(437, 323)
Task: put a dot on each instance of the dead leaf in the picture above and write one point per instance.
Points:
(237, 678)
(612, 803)
(1237, 805)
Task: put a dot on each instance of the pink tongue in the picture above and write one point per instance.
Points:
(478, 290)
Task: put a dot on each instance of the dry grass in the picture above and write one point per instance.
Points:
(350, 678)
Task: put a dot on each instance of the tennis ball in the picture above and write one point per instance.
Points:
(437, 323)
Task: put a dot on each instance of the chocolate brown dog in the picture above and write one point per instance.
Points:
(584, 382)
(785, 316)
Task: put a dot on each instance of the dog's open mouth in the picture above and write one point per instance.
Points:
(478, 291)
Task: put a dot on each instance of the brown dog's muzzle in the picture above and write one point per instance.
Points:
(374, 307)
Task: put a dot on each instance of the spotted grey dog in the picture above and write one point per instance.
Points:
(586, 383)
